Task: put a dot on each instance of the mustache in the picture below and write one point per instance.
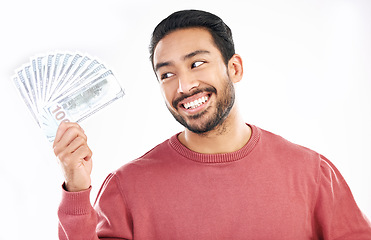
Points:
(176, 101)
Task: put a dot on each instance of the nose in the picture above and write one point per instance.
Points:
(186, 82)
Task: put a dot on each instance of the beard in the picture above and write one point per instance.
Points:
(224, 105)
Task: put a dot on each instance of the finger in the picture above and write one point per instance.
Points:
(70, 134)
(75, 144)
(68, 137)
(63, 127)
(71, 158)
(83, 152)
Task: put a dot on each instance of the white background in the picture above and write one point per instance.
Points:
(307, 78)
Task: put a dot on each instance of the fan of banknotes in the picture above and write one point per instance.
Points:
(65, 87)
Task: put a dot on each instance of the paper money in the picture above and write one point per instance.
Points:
(67, 87)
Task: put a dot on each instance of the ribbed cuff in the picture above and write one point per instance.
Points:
(75, 203)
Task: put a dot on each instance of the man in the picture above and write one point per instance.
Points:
(218, 179)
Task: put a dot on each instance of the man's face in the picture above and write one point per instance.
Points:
(194, 79)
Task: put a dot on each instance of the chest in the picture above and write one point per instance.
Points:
(222, 204)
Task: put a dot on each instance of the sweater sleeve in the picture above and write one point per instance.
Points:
(77, 218)
(336, 213)
(108, 219)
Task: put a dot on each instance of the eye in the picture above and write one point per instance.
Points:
(197, 64)
(166, 75)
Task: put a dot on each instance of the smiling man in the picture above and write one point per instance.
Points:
(218, 179)
(197, 85)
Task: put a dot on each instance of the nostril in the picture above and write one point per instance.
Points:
(180, 89)
(187, 82)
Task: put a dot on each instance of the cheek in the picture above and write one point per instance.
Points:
(204, 76)
(213, 75)
(167, 93)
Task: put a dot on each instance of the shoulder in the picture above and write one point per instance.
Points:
(154, 158)
(280, 144)
(287, 154)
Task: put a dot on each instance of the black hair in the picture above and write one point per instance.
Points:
(221, 33)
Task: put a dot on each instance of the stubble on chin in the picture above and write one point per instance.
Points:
(207, 121)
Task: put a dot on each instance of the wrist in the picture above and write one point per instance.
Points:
(73, 188)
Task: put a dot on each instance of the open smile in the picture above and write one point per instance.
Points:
(195, 103)
(192, 103)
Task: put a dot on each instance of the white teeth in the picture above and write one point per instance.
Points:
(196, 103)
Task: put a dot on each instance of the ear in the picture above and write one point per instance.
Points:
(235, 68)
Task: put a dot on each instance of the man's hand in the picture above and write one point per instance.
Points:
(71, 148)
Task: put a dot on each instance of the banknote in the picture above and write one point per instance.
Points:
(65, 87)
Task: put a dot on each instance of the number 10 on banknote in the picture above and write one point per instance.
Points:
(59, 114)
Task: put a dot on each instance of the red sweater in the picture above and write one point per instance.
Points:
(269, 189)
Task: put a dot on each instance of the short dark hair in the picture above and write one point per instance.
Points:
(221, 33)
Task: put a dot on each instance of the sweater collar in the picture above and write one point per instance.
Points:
(220, 157)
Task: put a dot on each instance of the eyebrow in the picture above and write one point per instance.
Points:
(197, 52)
(187, 56)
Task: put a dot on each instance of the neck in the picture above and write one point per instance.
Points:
(230, 136)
